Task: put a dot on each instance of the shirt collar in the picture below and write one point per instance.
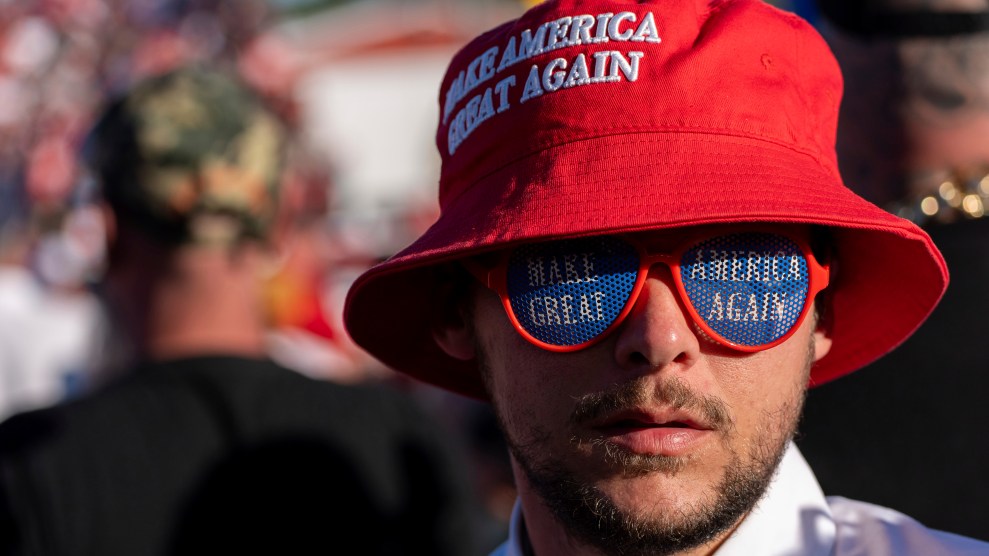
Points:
(792, 517)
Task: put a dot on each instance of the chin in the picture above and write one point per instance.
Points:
(652, 505)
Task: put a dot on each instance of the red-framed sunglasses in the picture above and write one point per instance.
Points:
(746, 289)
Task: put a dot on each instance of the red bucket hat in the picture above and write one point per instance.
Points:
(586, 117)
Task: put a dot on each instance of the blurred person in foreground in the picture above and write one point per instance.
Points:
(205, 446)
(645, 255)
(913, 136)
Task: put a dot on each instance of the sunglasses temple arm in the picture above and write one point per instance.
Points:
(483, 275)
(822, 274)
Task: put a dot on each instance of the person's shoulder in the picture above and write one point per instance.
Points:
(277, 390)
(24, 431)
(67, 432)
(378, 394)
(138, 399)
(864, 528)
(382, 401)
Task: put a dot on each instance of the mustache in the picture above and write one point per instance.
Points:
(671, 392)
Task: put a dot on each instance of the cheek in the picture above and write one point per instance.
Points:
(524, 381)
(767, 385)
(528, 377)
(534, 390)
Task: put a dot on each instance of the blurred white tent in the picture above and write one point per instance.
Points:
(369, 105)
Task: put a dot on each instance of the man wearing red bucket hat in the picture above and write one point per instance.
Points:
(645, 255)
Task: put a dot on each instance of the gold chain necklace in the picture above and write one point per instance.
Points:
(957, 198)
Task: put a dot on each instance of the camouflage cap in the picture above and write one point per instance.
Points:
(192, 156)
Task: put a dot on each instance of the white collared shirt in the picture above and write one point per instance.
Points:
(794, 518)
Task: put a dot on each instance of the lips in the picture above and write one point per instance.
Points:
(637, 418)
(660, 432)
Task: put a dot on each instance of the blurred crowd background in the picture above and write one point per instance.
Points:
(356, 80)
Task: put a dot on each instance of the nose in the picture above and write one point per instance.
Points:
(657, 333)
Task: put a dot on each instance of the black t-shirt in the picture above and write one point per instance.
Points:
(223, 455)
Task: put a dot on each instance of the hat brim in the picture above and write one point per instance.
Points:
(890, 275)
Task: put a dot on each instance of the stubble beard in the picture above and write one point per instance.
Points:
(592, 517)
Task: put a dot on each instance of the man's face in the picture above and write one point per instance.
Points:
(653, 440)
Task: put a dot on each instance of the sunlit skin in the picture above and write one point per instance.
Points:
(657, 350)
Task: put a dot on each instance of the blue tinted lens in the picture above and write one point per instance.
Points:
(568, 292)
(748, 287)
